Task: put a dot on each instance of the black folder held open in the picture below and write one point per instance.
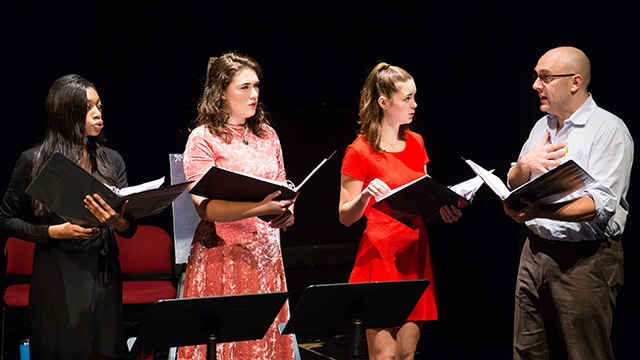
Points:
(223, 184)
(425, 196)
(548, 188)
(62, 186)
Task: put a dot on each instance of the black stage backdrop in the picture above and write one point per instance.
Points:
(471, 62)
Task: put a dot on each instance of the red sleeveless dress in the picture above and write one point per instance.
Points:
(390, 250)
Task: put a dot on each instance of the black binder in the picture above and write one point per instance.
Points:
(223, 184)
(424, 196)
(547, 188)
(62, 186)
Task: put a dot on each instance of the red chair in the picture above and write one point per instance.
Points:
(18, 259)
(148, 251)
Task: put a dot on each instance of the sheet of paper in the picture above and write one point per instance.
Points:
(297, 188)
(492, 181)
(139, 188)
(467, 189)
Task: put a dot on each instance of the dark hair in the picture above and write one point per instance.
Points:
(382, 80)
(212, 107)
(65, 115)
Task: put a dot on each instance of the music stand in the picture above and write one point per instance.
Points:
(331, 308)
(208, 320)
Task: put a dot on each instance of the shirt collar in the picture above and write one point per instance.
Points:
(579, 117)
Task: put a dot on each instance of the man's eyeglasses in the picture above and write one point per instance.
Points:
(547, 78)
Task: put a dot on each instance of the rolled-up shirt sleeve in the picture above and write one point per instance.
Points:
(610, 166)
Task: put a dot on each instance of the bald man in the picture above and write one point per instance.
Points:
(571, 262)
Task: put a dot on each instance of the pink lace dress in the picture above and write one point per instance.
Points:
(241, 257)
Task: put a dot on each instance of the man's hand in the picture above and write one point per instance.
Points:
(541, 156)
(529, 212)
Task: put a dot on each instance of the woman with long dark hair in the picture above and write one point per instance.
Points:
(233, 251)
(386, 155)
(75, 301)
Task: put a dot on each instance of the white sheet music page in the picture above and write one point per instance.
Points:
(467, 189)
(490, 179)
(139, 188)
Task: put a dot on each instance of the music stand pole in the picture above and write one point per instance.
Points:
(211, 347)
(356, 338)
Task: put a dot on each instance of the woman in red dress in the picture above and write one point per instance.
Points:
(387, 155)
(234, 252)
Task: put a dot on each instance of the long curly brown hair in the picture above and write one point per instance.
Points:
(212, 107)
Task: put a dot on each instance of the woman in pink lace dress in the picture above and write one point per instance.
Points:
(233, 251)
